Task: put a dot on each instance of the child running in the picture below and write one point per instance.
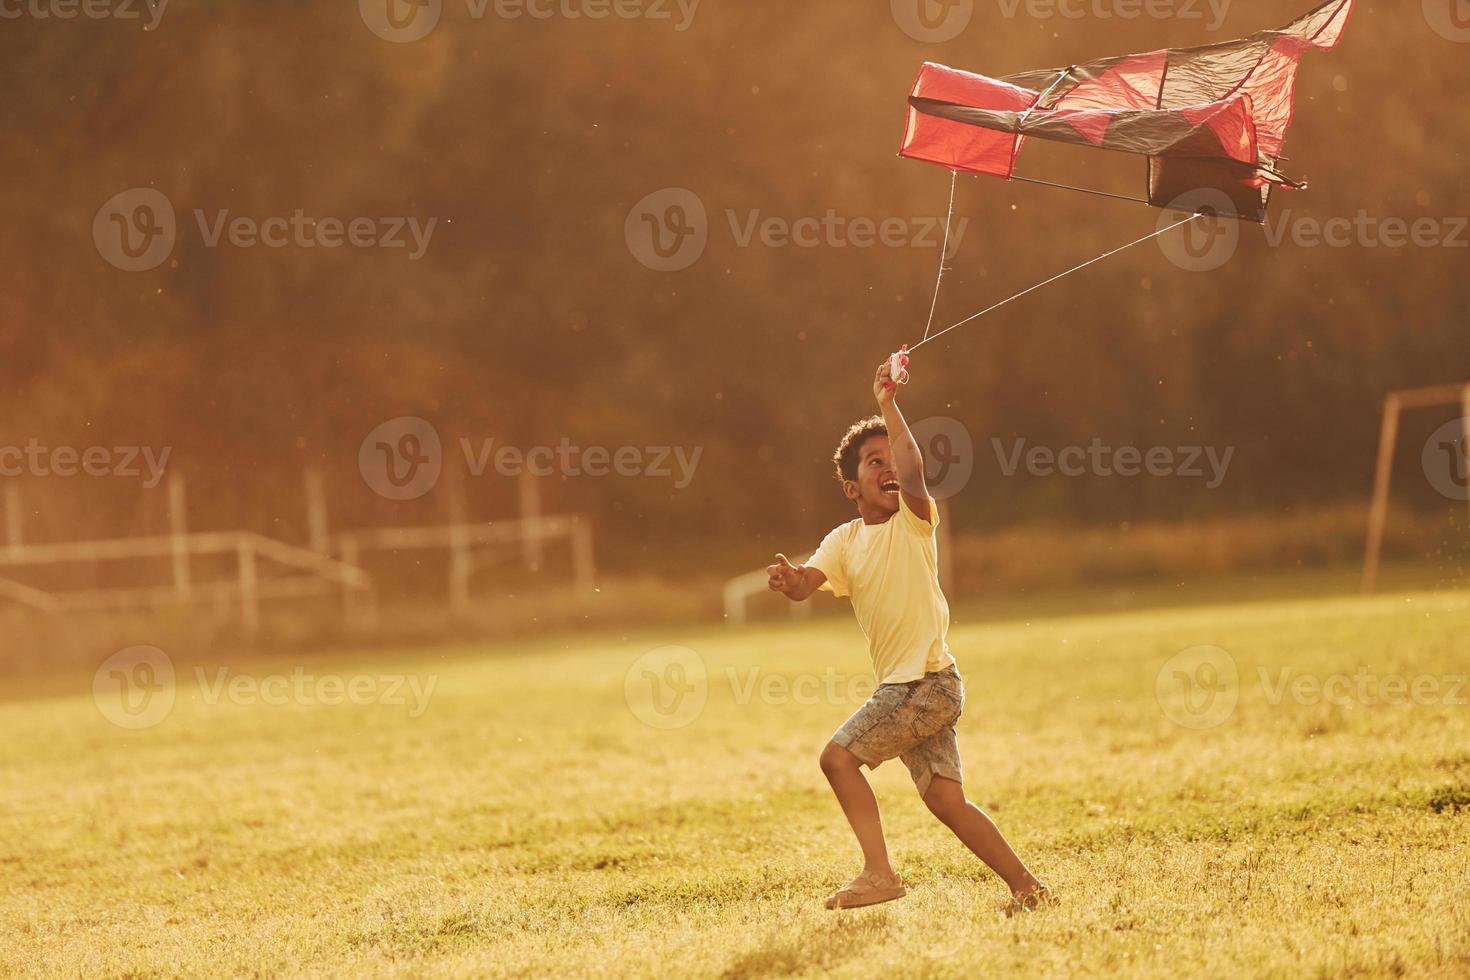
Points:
(887, 562)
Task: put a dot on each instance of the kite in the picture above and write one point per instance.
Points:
(1211, 121)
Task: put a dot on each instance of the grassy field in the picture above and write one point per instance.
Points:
(523, 810)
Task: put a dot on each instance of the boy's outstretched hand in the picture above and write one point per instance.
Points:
(785, 577)
(795, 582)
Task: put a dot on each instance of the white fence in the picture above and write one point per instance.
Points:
(306, 573)
(475, 547)
(266, 569)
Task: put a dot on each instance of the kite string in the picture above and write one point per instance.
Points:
(1053, 279)
(943, 254)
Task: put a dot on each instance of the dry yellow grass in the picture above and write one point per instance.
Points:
(528, 823)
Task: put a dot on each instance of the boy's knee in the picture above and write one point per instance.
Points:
(945, 799)
(835, 759)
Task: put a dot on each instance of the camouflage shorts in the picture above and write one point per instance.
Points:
(913, 722)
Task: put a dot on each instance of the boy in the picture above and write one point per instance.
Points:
(887, 561)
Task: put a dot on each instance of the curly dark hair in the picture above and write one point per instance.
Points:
(845, 459)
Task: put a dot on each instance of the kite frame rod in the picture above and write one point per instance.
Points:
(1065, 74)
(1081, 190)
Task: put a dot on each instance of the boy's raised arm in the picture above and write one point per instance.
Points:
(907, 460)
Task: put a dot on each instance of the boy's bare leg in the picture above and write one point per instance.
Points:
(946, 800)
(844, 772)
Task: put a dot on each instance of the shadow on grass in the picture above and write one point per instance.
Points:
(823, 945)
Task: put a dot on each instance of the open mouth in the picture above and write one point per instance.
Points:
(889, 486)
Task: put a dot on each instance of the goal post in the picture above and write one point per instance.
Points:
(1393, 408)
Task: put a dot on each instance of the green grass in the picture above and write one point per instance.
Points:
(528, 823)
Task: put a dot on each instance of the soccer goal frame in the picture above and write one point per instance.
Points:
(1393, 409)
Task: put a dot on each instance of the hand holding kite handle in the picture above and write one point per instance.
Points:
(898, 364)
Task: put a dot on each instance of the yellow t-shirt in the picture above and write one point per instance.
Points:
(891, 571)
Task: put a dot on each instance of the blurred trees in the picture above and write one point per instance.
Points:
(528, 320)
